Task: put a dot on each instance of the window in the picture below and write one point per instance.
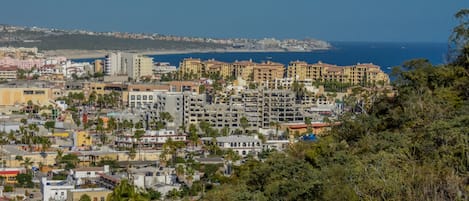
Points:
(132, 97)
(144, 97)
(150, 97)
(139, 97)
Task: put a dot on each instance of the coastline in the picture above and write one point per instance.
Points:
(89, 54)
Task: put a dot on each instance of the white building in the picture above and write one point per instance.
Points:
(87, 173)
(151, 139)
(112, 64)
(134, 66)
(54, 190)
(240, 144)
(78, 69)
(142, 99)
(164, 68)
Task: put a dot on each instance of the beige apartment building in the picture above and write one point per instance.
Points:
(322, 72)
(243, 69)
(16, 96)
(190, 66)
(137, 66)
(213, 67)
(267, 73)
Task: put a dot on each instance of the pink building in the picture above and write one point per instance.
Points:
(22, 64)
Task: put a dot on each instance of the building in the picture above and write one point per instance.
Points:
(98, 66)
(150, 140)
(163, 68)
(96, 194)
(217, 67)
(322, 72)
(22, 94)
(56, 190)
(9, 174)
(191, 68)
(240, 144)
(137, 65)
(132, 65)
(243, 69)
(141, 99)
(170, 102)
(266, 73)
(82, 140)
(112, 64)
(8, 72)
(87, 174)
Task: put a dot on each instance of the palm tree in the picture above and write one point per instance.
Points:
(308, 125)
(27, 163)
(172, 147)
(244, 123)
(138, 136)
(193, 136)
(58, 158)
(190, 175)
(180, 171)
(125, 191)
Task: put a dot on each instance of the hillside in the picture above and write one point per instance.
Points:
(97, 42)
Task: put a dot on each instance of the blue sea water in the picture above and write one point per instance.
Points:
(385, 55)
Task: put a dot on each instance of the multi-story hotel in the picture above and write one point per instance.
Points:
(266, 73)
(134, 66)
(213, 67)
(191, 67)
(243, 69)
(355, 74)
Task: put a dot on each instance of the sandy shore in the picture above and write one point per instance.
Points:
(87, 54)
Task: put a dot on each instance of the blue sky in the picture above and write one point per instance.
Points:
(332, 20)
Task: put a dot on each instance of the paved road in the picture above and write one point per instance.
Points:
(37, 195)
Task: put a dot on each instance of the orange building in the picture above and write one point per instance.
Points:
(10, 175)
(317, 128)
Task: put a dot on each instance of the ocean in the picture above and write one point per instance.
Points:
(386, 55)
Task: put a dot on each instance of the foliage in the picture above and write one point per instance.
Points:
(70, 161)
(125, 191)
(153, 195)
(85, 197)
(25, 180)
(411, 145)
(8, 188)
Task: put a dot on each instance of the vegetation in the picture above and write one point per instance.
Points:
(127, 192)
(412, 145)
(25, 180)
(85, 197)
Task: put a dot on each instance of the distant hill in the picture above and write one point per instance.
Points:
(97, 42)
(53, 39)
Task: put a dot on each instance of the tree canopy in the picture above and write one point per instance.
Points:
(411, 144)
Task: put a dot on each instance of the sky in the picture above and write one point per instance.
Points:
(331, 20)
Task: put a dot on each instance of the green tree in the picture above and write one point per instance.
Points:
(85, 197)
(27, 164)
(244, 123)
(25, 180)
(125, 191)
